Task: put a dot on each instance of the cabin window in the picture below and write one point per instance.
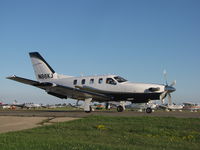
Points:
(91, 81)
(100, 80)
(120, 79)
(110, 81)
(75, 82)
(83, 81)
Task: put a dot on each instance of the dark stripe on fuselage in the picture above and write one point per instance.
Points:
(135, 97)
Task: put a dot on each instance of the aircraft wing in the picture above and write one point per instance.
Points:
(63, 91)
(77, 93)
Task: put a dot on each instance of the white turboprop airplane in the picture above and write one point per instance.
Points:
(105, 88)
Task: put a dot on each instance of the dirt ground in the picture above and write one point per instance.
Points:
(14, 123)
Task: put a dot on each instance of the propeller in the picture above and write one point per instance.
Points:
(77, 102)
(168, 89)
(165, 76)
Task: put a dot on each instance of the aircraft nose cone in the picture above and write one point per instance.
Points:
(170, 89)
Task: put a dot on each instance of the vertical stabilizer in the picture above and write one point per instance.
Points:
(42, 69)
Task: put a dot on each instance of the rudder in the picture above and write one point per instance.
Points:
(42, 69)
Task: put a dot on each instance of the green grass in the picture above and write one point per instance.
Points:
(107, 133)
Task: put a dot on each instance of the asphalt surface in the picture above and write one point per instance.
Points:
(81, 114)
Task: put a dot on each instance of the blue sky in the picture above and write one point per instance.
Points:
(136, 39)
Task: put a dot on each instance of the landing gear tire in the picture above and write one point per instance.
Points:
(107, 106)
(148, 110)
(120, 108)
(89, 110)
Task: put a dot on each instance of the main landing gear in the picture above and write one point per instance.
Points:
(148, 110)
(121, 106)
(87, 107)
(89, 111)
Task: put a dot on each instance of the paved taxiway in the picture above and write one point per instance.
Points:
(81, 114)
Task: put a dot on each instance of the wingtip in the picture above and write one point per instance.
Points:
(10, 77)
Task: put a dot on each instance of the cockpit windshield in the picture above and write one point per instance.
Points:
(120, 79)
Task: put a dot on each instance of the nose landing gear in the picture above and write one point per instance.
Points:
(148, 110)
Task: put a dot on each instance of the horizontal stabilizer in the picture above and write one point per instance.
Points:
(30, 82)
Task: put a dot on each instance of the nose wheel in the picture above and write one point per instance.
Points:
(148, 110)
(120, 108)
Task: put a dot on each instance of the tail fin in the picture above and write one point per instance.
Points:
(43, 70)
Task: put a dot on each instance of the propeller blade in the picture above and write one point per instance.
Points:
(77, 102)
(163, 95)
(164, 72)
(169, 99)
(165, 76)
(173, 83)
(162, 101)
